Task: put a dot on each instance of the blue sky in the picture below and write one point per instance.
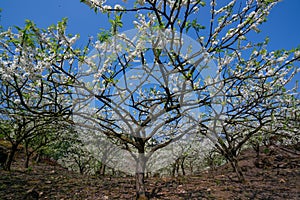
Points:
(283, 26)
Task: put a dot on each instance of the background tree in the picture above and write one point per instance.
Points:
(44, 137)
(252, 100)
(33, 92)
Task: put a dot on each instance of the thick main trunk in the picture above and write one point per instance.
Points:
(238, 170)
(27, 159)
(140, 186)
(140, 177)
(3, 156)
(28, 154)
(10, 158)
(26, 164)
(182, 166)
(176, 166)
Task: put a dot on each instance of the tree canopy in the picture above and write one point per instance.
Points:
(174, 79)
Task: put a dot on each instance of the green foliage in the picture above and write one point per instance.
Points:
(104, 35)
(193, 24)
(5, 128)
(58, 148)
(266, 150)
(116, 23)
(268, 2)
(201, 3)
(218, 181)
(214, 159)
(29, 169)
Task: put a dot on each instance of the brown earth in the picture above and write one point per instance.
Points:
(275, 176)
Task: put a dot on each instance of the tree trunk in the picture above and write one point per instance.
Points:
(237, 169)
(10, 158)
(102, 169)
(256, 147)
(191, 167)
(177, 168)
(140, 177)
(182, 166)
(26, 164)
(174, 169)
(28, 155)
(81, 168)
(3, 155)
(140, 186)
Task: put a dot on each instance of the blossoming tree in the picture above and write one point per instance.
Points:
(34, 92)
(149, 88)
(248, 84)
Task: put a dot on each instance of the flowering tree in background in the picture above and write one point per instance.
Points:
(283, 128)
(34, 90)
(254, 94)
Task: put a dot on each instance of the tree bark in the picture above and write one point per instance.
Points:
(102, 169)
(81, 168)
(237, 169)
(191, 167)
(3, 156)
(182, 166)
(174, 169)
(28, 155)
(140, 177)
(26, 164)
(10, 158)
(140, 186)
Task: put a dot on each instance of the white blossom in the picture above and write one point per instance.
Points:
(118, 7)
(297, 54)
(17, 101)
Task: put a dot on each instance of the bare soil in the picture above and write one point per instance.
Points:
(276, 175)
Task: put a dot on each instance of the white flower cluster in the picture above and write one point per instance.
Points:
(243, 22)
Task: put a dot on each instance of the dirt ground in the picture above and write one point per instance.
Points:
(275, 176)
